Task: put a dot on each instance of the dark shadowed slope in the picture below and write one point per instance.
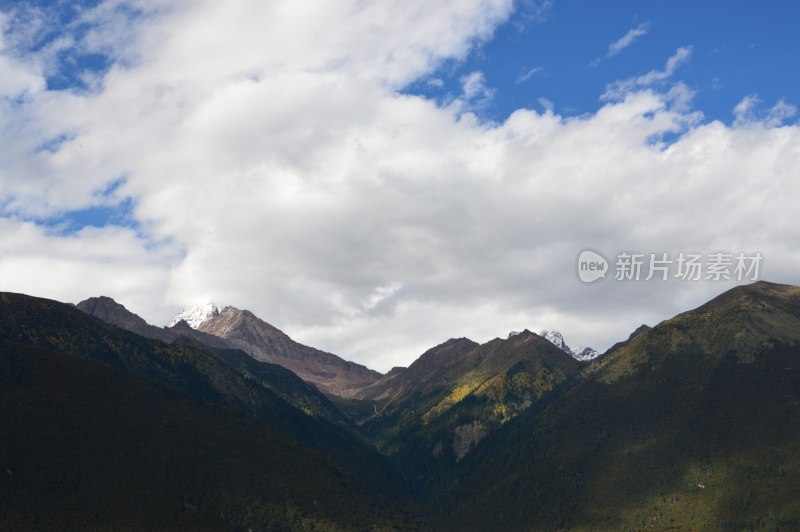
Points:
(269, 395)
(425, 373)
(90, 447)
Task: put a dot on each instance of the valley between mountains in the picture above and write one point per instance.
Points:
(222, 422)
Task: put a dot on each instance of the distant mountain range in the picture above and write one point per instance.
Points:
(233, 328)
(221, 421)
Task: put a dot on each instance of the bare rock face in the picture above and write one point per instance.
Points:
(232, 328)
(466, 437)
(107, 310)
(581, 354)
(262, 341)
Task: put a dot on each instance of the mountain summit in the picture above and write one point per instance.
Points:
(579, 353)
(107, 310)
(266, 343)
(196, 315)
(231, 328)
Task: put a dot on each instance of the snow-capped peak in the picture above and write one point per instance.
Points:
(580, 353)
(557, 340)
(584, 353)
(513, 333)
(196, 315)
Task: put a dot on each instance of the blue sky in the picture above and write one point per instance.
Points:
(558, 50)
(739, 48)
(376, 177)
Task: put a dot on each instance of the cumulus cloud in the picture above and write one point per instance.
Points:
(275, 164)
(108, 260)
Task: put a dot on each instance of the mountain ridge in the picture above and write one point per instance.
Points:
(690, 425)
(232, 328)
(264, 393)
(582, 354)
(114, 313)
(264, 342)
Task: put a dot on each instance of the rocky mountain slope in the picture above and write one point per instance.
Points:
(232, 328)
(107, 310)
(581, 354)
(330, 373)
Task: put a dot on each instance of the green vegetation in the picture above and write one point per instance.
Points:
(683, 428)
(87, 446)
(441, 419)
(692, 425)
(287, 417)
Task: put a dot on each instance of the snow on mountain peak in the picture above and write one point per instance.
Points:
(584, 353)
(196, 315)
(556, 339)
(513, 333)
(579, 353)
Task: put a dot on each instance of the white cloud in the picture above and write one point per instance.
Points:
(111, 260)
(546, 104)
(747, 112)
(626, 40)
(475, 95)
(619, 89)
(268, 146)
(780, 113)
(534, 11)
(744, 109)
(528, 74)
(16, 77)
(623, 42)
(474, 85)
